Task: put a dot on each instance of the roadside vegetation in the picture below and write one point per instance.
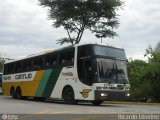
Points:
(1, 65)
(145, 76)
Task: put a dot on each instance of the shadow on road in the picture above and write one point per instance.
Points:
(80, 103)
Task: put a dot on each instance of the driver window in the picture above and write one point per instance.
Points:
(88, 75)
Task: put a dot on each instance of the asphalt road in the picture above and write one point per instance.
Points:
(61, 111)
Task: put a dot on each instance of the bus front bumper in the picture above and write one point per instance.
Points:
(104, 95)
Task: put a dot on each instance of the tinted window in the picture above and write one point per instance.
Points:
(50, 60)
(28, 65)
(38, 63)
(66, 58)
(109, 52)
(11, 68)
(18, 66)
(5, 69)
(0, 78)
(84, 51)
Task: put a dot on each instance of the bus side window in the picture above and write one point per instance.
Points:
(53, 60)
(29, 64)
(62, 59)
(84, 51)
(67, 58)
(47, 61)
(11, 68)
(38, 63)
(50, 60)
(19, 66)
(70, 57)
(5, 69)
(25, 65)
(15, 67)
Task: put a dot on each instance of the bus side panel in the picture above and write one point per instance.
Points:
(67, 77)
(43, 83)
(51, 82)
(7, 86)
(28, 88)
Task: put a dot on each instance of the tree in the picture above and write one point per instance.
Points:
(1, 65)
(157, 48)
(152, 73)
(139, 85)
(145, 77)
(76, 16)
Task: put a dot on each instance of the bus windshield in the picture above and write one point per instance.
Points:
(109, 52)
(112, 71)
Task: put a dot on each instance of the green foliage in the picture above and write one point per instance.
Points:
(153, 72)
(76, 16)
(1, 65)
(145, 77)
(137, 70)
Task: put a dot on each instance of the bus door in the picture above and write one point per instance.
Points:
(89, 72)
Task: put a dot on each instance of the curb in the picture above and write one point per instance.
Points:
(132, 103)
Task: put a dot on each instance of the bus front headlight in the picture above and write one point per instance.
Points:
(104, 94)
(127, 94)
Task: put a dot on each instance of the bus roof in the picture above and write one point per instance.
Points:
(63, 48)
(102, 44)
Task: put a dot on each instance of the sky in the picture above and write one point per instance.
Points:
(26, 29)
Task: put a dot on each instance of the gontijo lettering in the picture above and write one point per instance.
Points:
(23, 76)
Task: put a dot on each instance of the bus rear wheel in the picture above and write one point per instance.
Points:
(96, 102)
(19, 93)
(68, 96)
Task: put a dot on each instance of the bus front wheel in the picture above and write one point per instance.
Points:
(68, 96)
(96, 102)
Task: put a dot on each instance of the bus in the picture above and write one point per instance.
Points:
(1, 75)
(83, 72)
(1, 80)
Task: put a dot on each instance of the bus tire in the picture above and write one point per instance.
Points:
(68, 96)
(13, 93)
(96, 102)
(19, 93)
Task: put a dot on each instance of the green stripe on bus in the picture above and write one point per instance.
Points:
(43, 82)
(51, 82)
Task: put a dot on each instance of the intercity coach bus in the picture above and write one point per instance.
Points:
(1, 79)
(87, 72)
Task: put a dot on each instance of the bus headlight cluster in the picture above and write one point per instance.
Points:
(104, 94)
(127, 88)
